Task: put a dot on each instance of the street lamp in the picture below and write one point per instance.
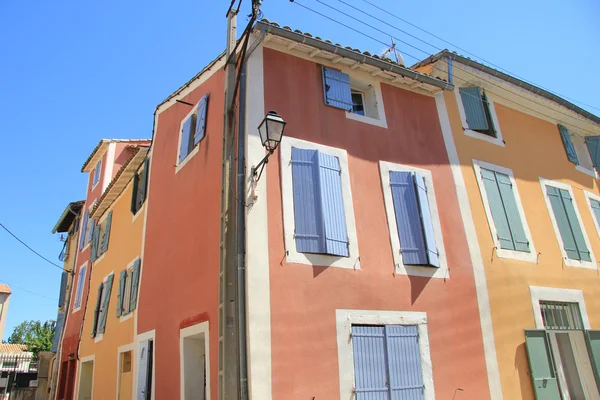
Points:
(271, 131)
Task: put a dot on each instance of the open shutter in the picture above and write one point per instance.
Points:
(186, 135)
(497, 208)
(95, 242)
(562, 220)
(543, 374)
(121, 293)
(143, 185)
(83, 231)
(596, 210)
(509, 201)
(97, 309)
(408, 218)
(135, 280)
(404, 361)
(64, 278)
(593, 145)
(432, 251)
(307, 205)
(201, 119)
(370, 363)
(332, 204)
(143, 360)
(106, 301)
(134, 191)
(60, 322)
(90, 231)
(592, 339)
(474, 108)
(106, 235)
(584, 253)
(568, 143)
(336, 87)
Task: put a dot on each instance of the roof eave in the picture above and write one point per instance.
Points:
(70, 209)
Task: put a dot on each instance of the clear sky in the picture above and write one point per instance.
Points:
(73, 72)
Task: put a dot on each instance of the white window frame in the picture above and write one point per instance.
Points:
(344, 321)
(149, 335)
(582, 151)
(289, 223)
(124, 349)
(590, 196)
(194, 151)
(100, 336)
(358, 82)
(568, 262)
(80, 281)
(556, 294)
(201, 328)
(500, 252)
(417, 270)
(83, 360)
(498, 140)
(96, 176)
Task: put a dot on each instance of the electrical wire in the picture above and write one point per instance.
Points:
(35, 252)
(28, 291)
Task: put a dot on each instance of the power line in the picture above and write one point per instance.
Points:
(35, 252)
(29, 291)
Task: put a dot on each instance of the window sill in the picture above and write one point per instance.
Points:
(137, 214)
(323, 260)
(187, 158)
(382, 123)
(516, 255)
(483, 136)
(76, 309)
(580, 264)
(100, 258)
(586, 171)
(125, 317)
(94, 185)
(98, 338)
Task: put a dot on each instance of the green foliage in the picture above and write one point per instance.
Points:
(37, 336)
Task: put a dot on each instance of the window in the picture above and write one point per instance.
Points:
(583, 152)
(83, 233)
(101, 310)
(101, 238)
(567, 225)
(193, 129)
(358, 102)
(90, 225)
(97, 171)
(194, 358)
(478, 115)
(126, 362)
(561, 315)
(128, 289)
(140, 185)
(145, 366)
(80, 284)
(9, 364)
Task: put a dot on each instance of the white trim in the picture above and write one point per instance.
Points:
(75, 309)
(137, 214)
(556, 294)
(81, 361)
(123, 349)
(498, 140)
(149, 335)
(200, 328)
(568, 262)
(417, 270)
(483, 299)
(191, 154)
(586, 171)
(344, 319)
(374, 84)
(590, 196)
(110, 163)
(530, 256)
(97, 169)
(293, 256)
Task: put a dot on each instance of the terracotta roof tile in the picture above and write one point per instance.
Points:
(4, 288)
(12, 348)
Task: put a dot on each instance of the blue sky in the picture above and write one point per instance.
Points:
(75, 72)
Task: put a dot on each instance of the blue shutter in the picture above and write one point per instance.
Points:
(104, 314)
(596, 210)
(336, 87)
(186, 134)
(370, 363)
(593, 145)
(63, 288)
(569, 147)
(432, 251)
(83, 231)
(408, 219)
(474, 108)
(509, 201)
(404, 360)
(60, 321)
(201, 120)
(106, 234)
(135, 284)
(332, 204)
(307, 205)
(562, 220)
(584, 253)
(497, 208)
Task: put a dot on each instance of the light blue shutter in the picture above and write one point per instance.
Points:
(121, 293)
(63, 288)
(201, 120)
(337, 90)
(558, 201)
(307, 205)
(60, 321)
(593, 145)
(408, 219)
(584, 253)
(432, 251)
(509, 200)
(95, 242)
(543, 374)
(143, 366)
(83, 230)
(596, 210)
(404, 360)
(332, 204)
(104, 314)
(474, 108)
(370, 363)
(97, 310)
(569, 147)
(592, 339)
(186, 134)
(497, 208)
(106, 236)
(135, 284)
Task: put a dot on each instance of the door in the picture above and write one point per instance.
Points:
(543, 374)
(144, 381)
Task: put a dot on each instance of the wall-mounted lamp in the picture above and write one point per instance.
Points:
(271, 131)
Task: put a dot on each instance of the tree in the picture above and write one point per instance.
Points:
(35, 335)
(22, 332)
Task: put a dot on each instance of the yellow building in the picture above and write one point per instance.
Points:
(524, 162)
(105, 367)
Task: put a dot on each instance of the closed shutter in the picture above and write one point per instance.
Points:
(143, 363)
(83, 231)
(584, 253)
(568, 143)
(404, 359)
(95, 243)
(143, 185)
(106, 235)
(509, 201)
(97, 310)
(497, 208)
(562, 220)
(90, 231)
(596, 210)
(60, 321)
(541, 365)
(186, 135)
(106, 301)
(426, 220)
(408, 219)
(332, 204)
(370, 363)
(474, 108)
(592, 339)
(64, 278)
(593, 145)
(121, 294)
(134, 191)
(337, 90)
(135, 280)
(200, 130)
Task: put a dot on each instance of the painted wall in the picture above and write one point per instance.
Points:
(180, 272)
(4, 299)
(533, 149)
(304, 298)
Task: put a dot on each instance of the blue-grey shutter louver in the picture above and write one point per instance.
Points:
(408, 218)
(186, 134)
(568, 143)
(60, 321)
(200, 130)
(474, 108)
(83, 231)
(432, 251)
(336, 89)
(63, 288)
(584, 253)
(106, 234)
(492, 191)
(593, 145)
(596, 210)
(509, 201)
(404, 359)
(568, 225)
(370, 363)
(332, 205)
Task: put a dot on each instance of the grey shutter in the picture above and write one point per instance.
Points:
(83, 230)
(60, 322)
(121, 293)
(106, 234)
(568, 144)
(97, 309)
(64, 278)
(337, 90)
(200, 130)
(95, 242)
(474, 108)
(103, 315)
(426, 220)
(186, 135)
(541, 365)
(584, 253)
(135, 279)
(568, 225)
(499, 216)
(593, 145)
(509, 201)
(595, 210)
(592, 339)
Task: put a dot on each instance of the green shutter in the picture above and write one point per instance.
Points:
(474, 108)
(584, 253)
(592, 339)
(136, 179)
(105, 303)
(497, 208)
(135, 279)
(106, 234)
(97, 309)
(541, 365)
(509, 200)
(563, 221)
(593, 145)
(95, 242)
(596, 210)
(121, 294)
(569, 147)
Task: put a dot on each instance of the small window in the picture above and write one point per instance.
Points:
(97, 171)
(477, 110)
(193, 128)
(358, 102)
(581, 151)
(80, 284)
(561, 315)
(126, 362)
(140, 186)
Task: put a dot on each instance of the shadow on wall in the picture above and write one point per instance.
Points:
(522, 369)
(417, 285)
